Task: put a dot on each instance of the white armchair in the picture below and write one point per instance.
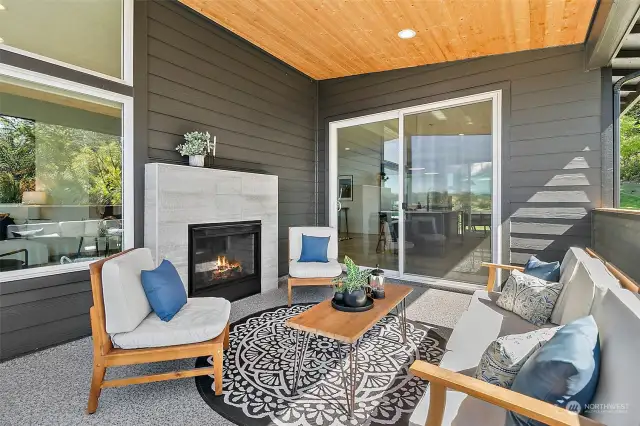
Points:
(312, 273)
(126, 331)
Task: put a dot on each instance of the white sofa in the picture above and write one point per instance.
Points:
(589, 289)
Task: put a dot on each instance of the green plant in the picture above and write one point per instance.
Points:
(354, 279)
(196, 143)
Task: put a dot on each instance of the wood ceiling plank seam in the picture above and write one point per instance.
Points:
(394, 11)
(586, 12)
(521, 17)
(385, 58)
(537, 15)
(315, 44)
(254, 31)
(471, 35)
(352, 55)
(443, 34)
(494, 35)
(418, 44)
(509, 33)
(295, 49)
(554, 18)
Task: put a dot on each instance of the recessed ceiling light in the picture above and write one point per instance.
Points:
(407, 33)
(1, 40)
(460, 134)
(347, 149)
(439, 115)
(2, 7)
(416, 168)
(431, 173)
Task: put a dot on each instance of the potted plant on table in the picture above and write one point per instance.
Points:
(350, 289)
(196, 145)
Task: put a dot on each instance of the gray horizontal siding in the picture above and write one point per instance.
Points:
(552, 164)
(42, 312)
(200, 77)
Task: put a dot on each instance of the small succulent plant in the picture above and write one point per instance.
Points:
(354, 279)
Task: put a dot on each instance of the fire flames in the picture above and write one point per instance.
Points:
(225, 267)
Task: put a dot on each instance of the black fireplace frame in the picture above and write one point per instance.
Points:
(232, 289)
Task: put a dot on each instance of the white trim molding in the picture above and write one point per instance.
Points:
(128, 176)
(496, 218)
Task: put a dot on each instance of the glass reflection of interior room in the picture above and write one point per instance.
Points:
(60, 177)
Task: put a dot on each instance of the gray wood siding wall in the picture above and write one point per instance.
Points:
(616, 237)
(200, 77)
(551, 135)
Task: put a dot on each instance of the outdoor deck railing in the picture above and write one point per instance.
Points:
(616, 237)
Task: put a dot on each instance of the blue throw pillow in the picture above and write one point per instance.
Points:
(548, 271)
(563, 372)
(164, 290)
(314, 249)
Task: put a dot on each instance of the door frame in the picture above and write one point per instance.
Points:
(494, 96)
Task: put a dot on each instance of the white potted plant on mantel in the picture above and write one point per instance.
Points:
(196, 145)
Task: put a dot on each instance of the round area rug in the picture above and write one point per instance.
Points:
(258, 374)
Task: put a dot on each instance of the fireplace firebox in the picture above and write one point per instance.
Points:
(224, 259)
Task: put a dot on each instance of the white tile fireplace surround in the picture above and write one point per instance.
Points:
(177, 196)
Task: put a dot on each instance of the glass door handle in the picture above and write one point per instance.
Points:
(339, 206)
(404, 206)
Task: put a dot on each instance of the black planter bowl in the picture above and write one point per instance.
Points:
(340, 306)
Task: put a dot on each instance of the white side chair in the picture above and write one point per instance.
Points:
(312, 273)
(126, 331)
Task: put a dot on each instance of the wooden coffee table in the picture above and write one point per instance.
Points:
(347, 328)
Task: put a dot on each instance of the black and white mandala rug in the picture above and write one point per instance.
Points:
(258, 374)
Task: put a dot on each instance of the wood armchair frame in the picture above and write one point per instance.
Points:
(441, 379)
(493, 268)
(105, 355)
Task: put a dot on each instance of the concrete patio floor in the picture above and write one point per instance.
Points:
(51, 386)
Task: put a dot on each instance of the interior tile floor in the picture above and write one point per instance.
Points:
(457, 260)
(51, 386)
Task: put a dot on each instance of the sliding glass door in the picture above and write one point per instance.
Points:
(416, 190)
(367, 187)
(448, 192)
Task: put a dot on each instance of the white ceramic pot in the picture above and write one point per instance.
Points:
(196, 160)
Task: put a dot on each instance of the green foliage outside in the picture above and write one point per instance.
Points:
(630, 159)
(73, 166)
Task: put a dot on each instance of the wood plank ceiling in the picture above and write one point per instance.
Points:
(336, 38)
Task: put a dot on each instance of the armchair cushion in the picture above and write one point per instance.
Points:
(201, 319)
(315, 269)
(314, 249)
(164, 289)
(530, 297)
(125, 302)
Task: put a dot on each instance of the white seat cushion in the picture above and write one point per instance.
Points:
(484, 322)
(314, 269)
(125, 302)
(460, 409)
(201, 319)
(618, 320)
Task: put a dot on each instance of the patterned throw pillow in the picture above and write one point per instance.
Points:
(504, 357)
(529, 297)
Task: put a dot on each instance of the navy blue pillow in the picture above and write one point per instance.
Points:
(549, 271)
(314, 249)
(164, 290)
(563, 372)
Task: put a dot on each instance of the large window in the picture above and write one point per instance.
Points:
(630, 159)
(61, 170)
(87, 34)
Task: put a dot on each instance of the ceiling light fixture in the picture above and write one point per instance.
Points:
(460, 134)
(1, 40)
(407, 33)
(347, 149)
(439, 115)
(430, 173)
(2, 7)
(416, 168)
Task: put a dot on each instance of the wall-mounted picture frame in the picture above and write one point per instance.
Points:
(345, 187)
